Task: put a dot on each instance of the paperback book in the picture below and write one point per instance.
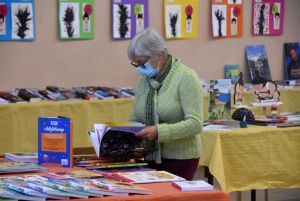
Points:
(292, 60)
(232, 72)
(14, 167)
(117, 139)
(219, 99)
(147, 177)
(258, 62)
(14, 195)
(22, 156)
(55, 141)
(197, 185)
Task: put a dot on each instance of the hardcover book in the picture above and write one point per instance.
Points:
(3, 101)
(258, 62)
(12, 98)
(37, 92)
(25, 95)
(292, 60)
(55, 141)
(232, 73)
(22, 156)
(147, 177)
(219, 99)
(115, 139)
(85, 95)
(120, 186)
(198, 185)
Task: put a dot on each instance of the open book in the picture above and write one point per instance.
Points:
(117, 139)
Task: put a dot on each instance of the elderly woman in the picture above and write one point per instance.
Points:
(169, 101)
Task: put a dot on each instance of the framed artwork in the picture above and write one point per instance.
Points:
(17, 20)
(268, 17)
(128, 18)
(181, 18)
(76, 19)
(227, 18)
(292, 60)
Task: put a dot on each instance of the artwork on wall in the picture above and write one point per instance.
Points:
(227, 18)
(268, 17)
(76, 19)
(17, 20)
(181, 18)
(128, 18)
(292, 60)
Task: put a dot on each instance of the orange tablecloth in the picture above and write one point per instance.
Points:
(161, 191)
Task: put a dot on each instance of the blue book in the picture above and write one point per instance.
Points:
(55, 141)
(232, 73)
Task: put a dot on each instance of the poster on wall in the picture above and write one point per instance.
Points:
(76, 19)
(17, 20)
(267, 17)
(292, 60)
(181, 18)
(227, 18)
(128, 18)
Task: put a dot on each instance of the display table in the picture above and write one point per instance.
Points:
(18, 122)
(161, 191)
(257, 157)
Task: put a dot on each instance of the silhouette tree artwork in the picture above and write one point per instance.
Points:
(220, 17)
(261, 19)
(23, 19)
(68, 20)
(173, 21)
(123, 29)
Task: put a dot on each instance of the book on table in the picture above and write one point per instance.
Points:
(114, 139)
(11, 195)
(85, 95)
(232, 73)
(22, 156)
(55, 141)
(25, 95)
(147, 177)
(19, 167)
(124, 187)
(108, 165)
(196, 185)
(11, 97)
(221, 127)
(3, 101)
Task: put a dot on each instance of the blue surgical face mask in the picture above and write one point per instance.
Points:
(148, 70)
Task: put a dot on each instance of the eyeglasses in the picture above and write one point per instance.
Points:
(139, 64)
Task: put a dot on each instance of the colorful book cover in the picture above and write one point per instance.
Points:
(257, 61)
(55, 141)
(17, 20)
(181, 18)
(227, 18)
(198, 185)
(232, 72)
(128, 18)
(219, 99)
(147, 177)
(113, 138)
(292, 60)
(268, 17)
(76, 19)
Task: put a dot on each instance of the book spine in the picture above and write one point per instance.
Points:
(37, 187)
(80, 186)
(19, 188)
(175, 185)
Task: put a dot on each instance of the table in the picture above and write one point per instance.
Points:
(258, 157)
(18, 122)
(161, 191)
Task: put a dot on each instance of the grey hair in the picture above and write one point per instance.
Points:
(147, 43)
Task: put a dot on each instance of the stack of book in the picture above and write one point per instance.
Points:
(19, 167)
(31, 157)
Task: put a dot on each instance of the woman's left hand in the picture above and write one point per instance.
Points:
(149, 133)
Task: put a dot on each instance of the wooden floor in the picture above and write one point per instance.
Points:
(292, 194)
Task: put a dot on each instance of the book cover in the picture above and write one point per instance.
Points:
(147, 177)
(10, 167)
(93, 166)
(219, 104)
(113, 139)
(36, 92)
(11, 194)
(292, 60)
(196, 185)
(3, 101)
(267, 17)
(257, 62)
(124, 187)
(56, 96)
(85, 95)
(55, 141)
(232, 72)
(221, 127)
(22, 156)
(25, 95)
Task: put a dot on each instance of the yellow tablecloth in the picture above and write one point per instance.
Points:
(18, 122)
(257, 157)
